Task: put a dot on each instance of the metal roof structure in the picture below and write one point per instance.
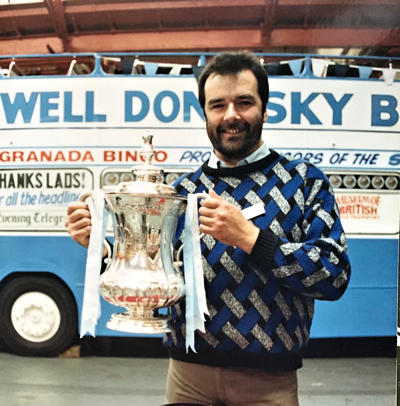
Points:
(359, 27)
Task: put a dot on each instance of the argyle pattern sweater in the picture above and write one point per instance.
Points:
(261, 305)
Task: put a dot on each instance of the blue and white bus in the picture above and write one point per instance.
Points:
(66, 133)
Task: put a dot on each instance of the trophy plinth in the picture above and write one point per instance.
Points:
(143, 275)
(144, 322)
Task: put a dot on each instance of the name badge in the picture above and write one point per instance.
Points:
(253, 211)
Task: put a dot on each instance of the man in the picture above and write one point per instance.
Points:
(261, 275)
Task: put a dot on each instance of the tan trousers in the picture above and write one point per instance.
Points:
(202, 384)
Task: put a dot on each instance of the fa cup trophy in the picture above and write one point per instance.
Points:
(143, 274)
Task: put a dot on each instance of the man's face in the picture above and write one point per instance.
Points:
(233, 115)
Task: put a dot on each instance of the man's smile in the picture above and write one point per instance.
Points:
(232, 131)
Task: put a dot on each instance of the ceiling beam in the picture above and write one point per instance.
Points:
(31, 45)
(195, 40)
(235, 38)
(269, 17)
(179, 40)
(212, 4)
(160, 5)
(334, 37)
(70, 8)
(56, 11)
(37, 9)
(338, 3)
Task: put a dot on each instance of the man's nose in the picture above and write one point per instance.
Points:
(231, 114)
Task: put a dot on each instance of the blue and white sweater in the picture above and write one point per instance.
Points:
(261, 305)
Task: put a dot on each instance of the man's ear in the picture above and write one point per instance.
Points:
(265, 116)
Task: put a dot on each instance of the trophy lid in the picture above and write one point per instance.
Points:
(147, 177)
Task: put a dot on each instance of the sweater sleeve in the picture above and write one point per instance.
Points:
(317, 265)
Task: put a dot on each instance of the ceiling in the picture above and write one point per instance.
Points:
(347, 27)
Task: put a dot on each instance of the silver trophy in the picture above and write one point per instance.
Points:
(143, 274)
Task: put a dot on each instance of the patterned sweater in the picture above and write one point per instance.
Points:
(261, 305)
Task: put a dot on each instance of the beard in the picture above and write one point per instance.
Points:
(238, 147)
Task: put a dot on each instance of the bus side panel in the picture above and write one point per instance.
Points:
(368, 307)
(57, 255)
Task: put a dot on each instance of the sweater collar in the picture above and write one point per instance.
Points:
(242, 171)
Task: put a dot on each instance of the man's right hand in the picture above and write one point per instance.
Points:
(79, 222)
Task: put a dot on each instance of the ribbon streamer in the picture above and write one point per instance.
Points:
(196, 303)
(389, 74)
(91, 297)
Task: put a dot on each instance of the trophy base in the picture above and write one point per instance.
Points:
(152, 325)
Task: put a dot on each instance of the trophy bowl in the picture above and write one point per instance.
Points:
(143, 274)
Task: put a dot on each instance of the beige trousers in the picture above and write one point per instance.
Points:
(202, 384)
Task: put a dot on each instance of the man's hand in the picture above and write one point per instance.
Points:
(226, 223)
(79, 223)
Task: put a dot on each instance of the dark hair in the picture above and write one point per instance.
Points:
(227, 63)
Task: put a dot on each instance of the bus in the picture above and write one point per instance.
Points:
(71, 123)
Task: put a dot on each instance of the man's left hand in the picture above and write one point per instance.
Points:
(226, 223)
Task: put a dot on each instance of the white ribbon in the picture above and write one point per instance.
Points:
(91, 297)
(319, 67)
(196, 303)
(389, 74)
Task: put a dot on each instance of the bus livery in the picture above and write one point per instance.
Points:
(62, 135)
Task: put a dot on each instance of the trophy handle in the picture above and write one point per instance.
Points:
(84, 196)
(178, 258)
